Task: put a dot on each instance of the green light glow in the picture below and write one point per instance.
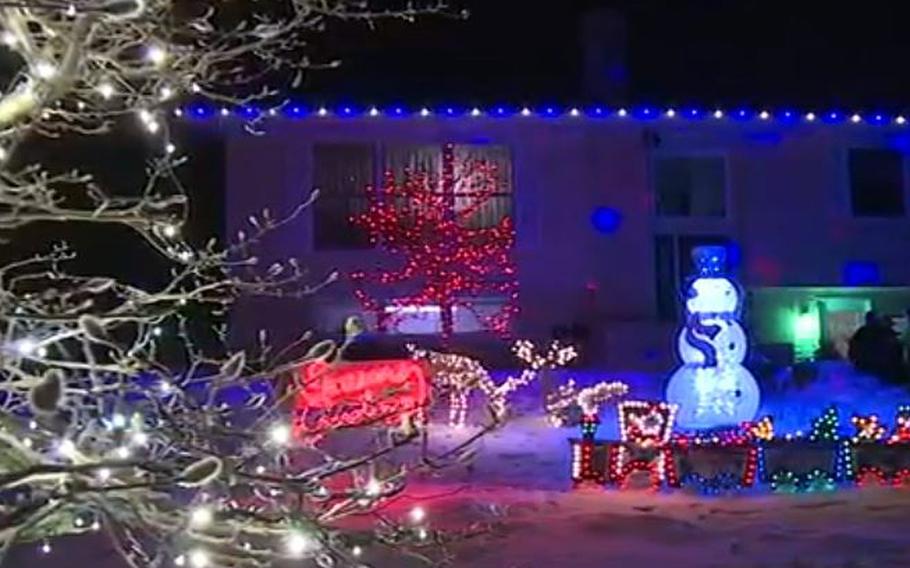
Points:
(806, 332)
(806, 327)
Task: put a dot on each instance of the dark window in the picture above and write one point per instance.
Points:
(876, 183)
(690, 186)
(341, 173)
(674, 267)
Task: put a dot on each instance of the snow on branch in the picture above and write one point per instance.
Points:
(115, 415)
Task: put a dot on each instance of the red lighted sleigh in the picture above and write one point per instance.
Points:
(349, 394)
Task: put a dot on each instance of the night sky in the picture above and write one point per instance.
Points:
(801, 53)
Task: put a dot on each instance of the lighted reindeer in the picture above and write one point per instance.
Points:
(458, 375)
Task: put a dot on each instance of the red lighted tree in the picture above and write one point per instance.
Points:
(449, 259)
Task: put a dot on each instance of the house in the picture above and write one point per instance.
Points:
(607, 205)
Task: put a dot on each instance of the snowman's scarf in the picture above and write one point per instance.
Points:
(696, 332)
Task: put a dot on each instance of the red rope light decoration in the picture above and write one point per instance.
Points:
(583, 463)
(669, 467)
(744, 437)
(426, 220)
(356, 394)
(869, 475)
(650, 466)
(901, 433)
(901, 477)
(645, 425)
(751, 468)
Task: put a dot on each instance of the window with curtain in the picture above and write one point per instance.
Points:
(429, 158)
(341, 173)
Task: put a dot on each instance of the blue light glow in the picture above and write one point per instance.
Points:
(742, 114)
(861, 273)
(296, 111)
(606, 220)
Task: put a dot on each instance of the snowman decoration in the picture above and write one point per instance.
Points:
(712, 388)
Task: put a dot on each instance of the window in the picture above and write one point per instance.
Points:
(674, 266)
(430, 159)
(690, 186)
(341, 173)
(471, 165)
(427, 320)
(876, 183)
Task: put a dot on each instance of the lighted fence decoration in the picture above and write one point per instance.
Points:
(748, 457)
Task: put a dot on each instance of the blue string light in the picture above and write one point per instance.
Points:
(718, 484)
(295, 111)
(200, 111)
(249, 112)
(646, 113)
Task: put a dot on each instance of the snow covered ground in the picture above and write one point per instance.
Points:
(518, 490)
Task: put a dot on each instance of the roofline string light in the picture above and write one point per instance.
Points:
(642, 113)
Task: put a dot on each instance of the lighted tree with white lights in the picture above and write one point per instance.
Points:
(184, 464)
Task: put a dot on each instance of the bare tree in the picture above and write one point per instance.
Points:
(98, 432)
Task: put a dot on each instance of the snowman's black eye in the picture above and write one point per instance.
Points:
(732, 347)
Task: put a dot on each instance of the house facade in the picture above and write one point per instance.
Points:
(607, 206)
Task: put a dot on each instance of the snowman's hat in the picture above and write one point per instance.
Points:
(710, 260)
